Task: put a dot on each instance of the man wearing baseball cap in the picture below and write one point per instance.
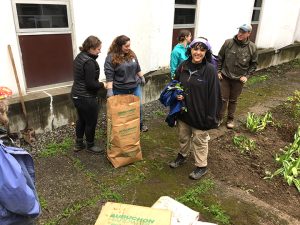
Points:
(237, 61)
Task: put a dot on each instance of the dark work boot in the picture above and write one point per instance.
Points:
(92, 148)
(178, 161)
(79, 145)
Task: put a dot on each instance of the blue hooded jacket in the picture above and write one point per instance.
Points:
(168, 98)
(18, 197)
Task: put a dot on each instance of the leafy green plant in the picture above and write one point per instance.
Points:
(244, 143)
(290, 162)
(293, 102)
(258, 123)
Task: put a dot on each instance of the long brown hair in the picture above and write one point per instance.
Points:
(115, 49)
(91, 42)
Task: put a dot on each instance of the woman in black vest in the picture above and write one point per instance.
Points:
(84, 94)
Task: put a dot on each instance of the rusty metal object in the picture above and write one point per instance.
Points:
(29, 135)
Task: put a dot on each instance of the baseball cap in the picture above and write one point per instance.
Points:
(246, 27)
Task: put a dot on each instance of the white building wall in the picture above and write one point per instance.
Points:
(8, 37)
(147, 23)
(278, 23)
(297, 31)
(218, 20)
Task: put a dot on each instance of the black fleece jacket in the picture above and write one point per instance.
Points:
(202, 94)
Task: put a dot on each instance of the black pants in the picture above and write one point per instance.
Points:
(87, 111)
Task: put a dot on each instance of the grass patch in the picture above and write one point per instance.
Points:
(100, 134)
(71, 210)
(159, 113)
(256, 79)
(43, 202)
(193, 198)
(54, 149)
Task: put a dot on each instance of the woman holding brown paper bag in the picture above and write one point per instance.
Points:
(123, 72)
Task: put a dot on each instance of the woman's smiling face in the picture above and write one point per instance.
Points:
(198, 53)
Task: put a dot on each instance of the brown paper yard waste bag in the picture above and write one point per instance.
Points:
(124, 214)
(123, 130)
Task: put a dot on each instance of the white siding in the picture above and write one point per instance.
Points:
(8, 37)
(278, 24)
(218, 20)
(148, 23)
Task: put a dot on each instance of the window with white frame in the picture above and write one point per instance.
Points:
(41, 16)
(185, 11)
(256, 11)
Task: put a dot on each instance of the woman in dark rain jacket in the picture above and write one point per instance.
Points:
(203, 101)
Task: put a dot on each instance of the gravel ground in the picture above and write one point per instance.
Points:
(68, 131)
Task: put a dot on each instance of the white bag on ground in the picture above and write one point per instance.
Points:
(181, 214)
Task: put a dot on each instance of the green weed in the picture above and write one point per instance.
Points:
(109, 195)
(192, 196)
(71, 210)
(159, 113)
(43, 202)
(258, 123)
(100, 134)
(293, 103)
(289, 161)
(243, 143)
(53, 149)
(256, 79)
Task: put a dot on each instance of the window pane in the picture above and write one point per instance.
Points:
(184, 16)
(42, 16)
(255, 15)
(257, 3)
(186, 2)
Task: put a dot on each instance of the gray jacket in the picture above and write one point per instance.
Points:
(123, 76)
(237, 59)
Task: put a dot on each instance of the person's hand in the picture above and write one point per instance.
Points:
(220, 76)
(243, 79)
(142, 80)
(104, 84)
(109, 93)
(180, 97)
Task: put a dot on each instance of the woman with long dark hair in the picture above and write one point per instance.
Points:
(123, 71)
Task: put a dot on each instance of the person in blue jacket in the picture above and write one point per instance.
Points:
(19, 204)
(178, 54)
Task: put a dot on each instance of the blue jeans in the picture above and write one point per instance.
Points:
(135, 91)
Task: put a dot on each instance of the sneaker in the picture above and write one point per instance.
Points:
(230, 124)
(144, 128)
(178, 161)
(198, 173)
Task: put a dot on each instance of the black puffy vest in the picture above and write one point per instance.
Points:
(79, 88)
